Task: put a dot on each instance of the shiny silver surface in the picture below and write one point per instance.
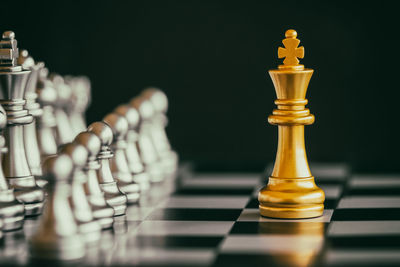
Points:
(118, 163)
(135, 164)
(89, 227)
(11, 211)
(30, 137)
(57, 236)
(113, 195)
(101, 211)
(13, 81)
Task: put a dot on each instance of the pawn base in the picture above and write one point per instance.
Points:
(291, 198)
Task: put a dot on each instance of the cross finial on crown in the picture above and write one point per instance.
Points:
(291, 52)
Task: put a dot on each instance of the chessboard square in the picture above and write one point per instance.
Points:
(331, 191)
(253, 215)
(166, 257)
(357, 257)
(259, 244)
(367, 214)
(192, 191)
(186, 228)
(172, 214)
(158, 241)
(369, 202)
(278, 228)
(364, 228)
(137, 213)
(374, 191)
(253, 203)
(209, 202)
(374, 181)
(253, 260)
(365, 242)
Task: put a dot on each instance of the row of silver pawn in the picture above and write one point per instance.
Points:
(89, 175)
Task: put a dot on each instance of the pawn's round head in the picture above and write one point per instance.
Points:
(118, 125)
(157, 98)
(64, 92)
(77, 152)
(103, 131)
(47, 95)
(90, 141)
(25, 60)
(57, 168)
(144, 107)
(291, 34)
(131, 115)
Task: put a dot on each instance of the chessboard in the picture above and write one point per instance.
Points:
(205, 218)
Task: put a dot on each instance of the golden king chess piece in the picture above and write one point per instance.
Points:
(291, 191)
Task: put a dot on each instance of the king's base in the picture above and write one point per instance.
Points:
(291, 198)
(291, 211)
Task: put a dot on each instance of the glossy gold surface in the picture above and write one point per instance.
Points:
(291, 191)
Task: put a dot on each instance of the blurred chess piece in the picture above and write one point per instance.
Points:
(11, 211)
(80, 100)
(12, 90)
(64, 93)
(135, 164)
(147, 151)
(30, 137)
(46, 124)
(57, 237)
(159, 121)
(113, 195)
(89, 228)
(118, 163)
(100, 209)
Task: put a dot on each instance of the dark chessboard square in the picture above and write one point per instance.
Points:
(365, 242)
(253, 204)
(253, 260)
(374, 191)
(214, 191)
(375, 214)
(279, 228)
(195, 214)
(178, 241)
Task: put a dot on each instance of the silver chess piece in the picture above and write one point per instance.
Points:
(57, 237)
(80, 100)
(118, 164)
(11, 211)
(64, 93)
(147, 151)
(100, 209)
(30, 136)
(159, 121)
(46, 124)
(15, 165)
(135, 164)
(89, 228)
(113, 195)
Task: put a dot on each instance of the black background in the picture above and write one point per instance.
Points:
(212, 57)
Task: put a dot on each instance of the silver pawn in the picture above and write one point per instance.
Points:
(46, 124)
(30, 136)
(57, 237)
(112, 193)
(147, 150)
(11, 211)
(159, 121)
(80, 100)
(135, 164)
(15, 165)
(118, 163)
(88, 226)
(100, 209)
(64, 93)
